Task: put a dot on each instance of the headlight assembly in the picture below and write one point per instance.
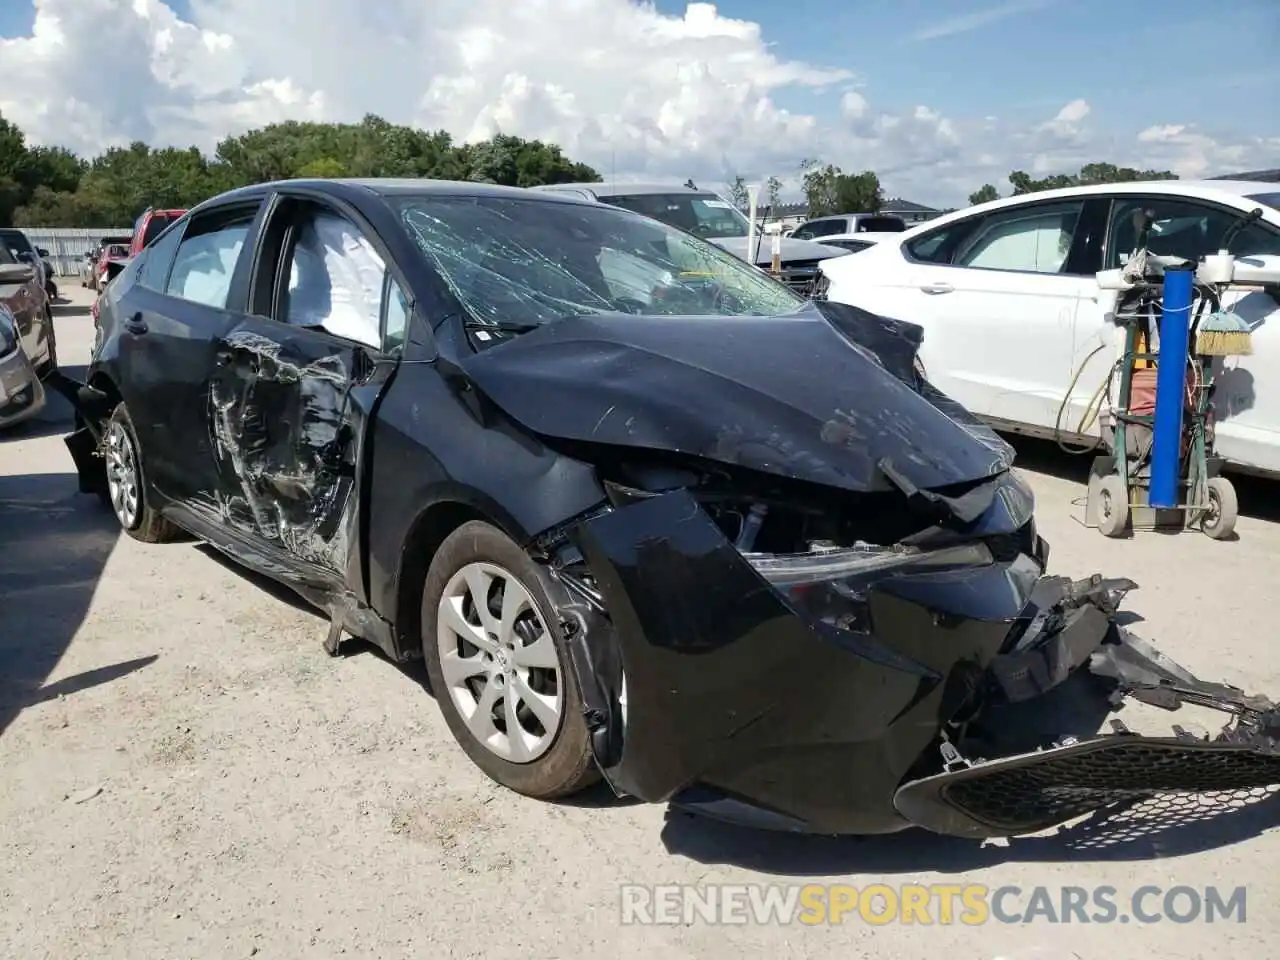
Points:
(832, 585)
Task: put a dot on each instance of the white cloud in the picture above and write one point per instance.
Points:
(614, 82)
(976, 19)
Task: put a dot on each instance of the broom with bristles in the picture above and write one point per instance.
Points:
(1224, 334)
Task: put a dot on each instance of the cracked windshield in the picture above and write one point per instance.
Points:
(517, 264)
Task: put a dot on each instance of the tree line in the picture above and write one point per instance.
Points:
(828, 190)
(1089, 174)
(53, 187)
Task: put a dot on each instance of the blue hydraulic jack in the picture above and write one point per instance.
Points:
(1161, 471)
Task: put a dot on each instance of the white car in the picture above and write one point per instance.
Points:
(853, 242)
(1013, 316)
(820, 229)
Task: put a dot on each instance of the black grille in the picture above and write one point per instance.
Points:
(799, 275)
(1044, 790)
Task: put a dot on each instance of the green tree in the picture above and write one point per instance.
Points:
(739, 194)
(829, 190)
(50, 186)
(322, 168)
(984, 194)
(1091, 173)
(773, 192)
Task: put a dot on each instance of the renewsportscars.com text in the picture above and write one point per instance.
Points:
(926, 904)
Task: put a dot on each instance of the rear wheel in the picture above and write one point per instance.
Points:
(498, 666)
(126, 490)
(1223, 509)
(1113, 506)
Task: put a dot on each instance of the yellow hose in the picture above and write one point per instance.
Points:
(1091, 411)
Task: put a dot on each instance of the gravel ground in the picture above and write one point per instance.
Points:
(186, 774)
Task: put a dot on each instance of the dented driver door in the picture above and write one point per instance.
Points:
(291, 404)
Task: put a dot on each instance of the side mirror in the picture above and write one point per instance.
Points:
(1260, 271)
(42, 252)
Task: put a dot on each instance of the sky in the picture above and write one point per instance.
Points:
(937, 96)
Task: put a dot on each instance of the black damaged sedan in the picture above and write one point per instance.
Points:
(644, 512)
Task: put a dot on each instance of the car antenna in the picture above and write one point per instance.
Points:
(690, 185)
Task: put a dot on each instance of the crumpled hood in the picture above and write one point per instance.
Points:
(790, 396)
(791, 249)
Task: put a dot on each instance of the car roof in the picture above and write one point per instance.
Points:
(397, 186)
(1220, 190)
(871, 236)
(626, 189)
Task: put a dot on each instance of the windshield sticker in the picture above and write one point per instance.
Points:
(717, 204)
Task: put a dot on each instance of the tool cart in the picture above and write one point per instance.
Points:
(1161, 470)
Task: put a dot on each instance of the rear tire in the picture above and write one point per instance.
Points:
(518, 661)
(128, 494)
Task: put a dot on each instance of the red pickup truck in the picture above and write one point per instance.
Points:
(149, 225)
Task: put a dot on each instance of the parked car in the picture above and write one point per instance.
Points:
(853, 242)
(111, 260)
(28, 348)
(21, 247)
(1014, 326)
(149, 225)
(644, 511)
(705, 214)
(89, 268)
(820, 228)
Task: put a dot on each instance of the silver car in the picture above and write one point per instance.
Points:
(28, 349)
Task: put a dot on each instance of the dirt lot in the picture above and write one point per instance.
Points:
(186, 774)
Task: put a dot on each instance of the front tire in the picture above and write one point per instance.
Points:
(127, 492)
(497, 662)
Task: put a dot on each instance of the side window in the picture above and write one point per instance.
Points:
(158, 259)
(207, 256)
(823, 228)
(1183, 228)
(936, 246)
(397, 321)
(335, 280)
(1034, 239)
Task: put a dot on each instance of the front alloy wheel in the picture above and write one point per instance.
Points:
(498, 665)
(499, 662)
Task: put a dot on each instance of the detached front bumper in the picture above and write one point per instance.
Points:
(743, 705)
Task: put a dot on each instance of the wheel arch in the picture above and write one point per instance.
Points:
(434, 521)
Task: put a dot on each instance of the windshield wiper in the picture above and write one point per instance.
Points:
(501, 326)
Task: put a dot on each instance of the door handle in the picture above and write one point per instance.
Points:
(136, 324)
(936, 288)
